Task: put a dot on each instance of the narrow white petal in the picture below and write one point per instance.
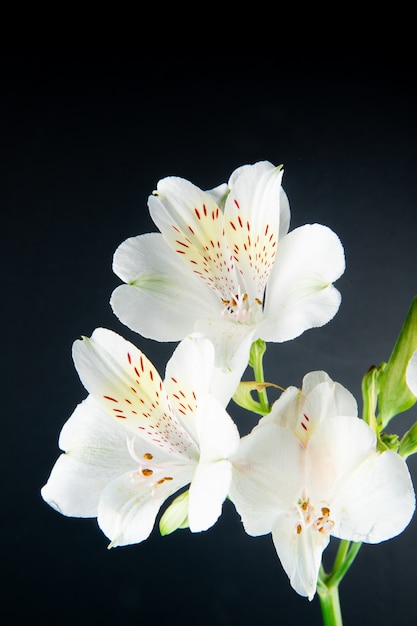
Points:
(376, 502)
(286, 410)
(129, 505)
(300, 554)
(300, 294)
(252, 222)
(218, 435)
(208, 490)
(192, 224)
(268, 477)
(126, 384)
(188, 375)
(162, 297)
(411, 374)
(312, 379)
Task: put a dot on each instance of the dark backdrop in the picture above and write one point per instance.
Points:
(87, 131)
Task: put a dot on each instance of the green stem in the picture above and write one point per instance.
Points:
(328, 584)
(257, 352)
(330, 606)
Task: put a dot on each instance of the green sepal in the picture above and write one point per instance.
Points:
(175, 516)
(408, 444)
(243, 395)
(388, 442)
(394, 395)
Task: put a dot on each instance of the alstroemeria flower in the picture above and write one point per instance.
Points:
(224, 264)
(136, 440)
(311, 470)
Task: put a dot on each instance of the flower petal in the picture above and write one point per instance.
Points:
(300, 294)
(335, 450)
(376, 502)
(158, 282)
(268, 477)
(192, 224)
(252, 221)
(129, 505)
(126, 384)
(218, 435)
(300, 554)
(95, 454)
(208, 491)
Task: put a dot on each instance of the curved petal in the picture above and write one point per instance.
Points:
(252, 215)
(300, 554)
(284, 206)
(300, 294)
(192, 224)
(208, 491)
(96, 453)
(326, 400)
(376, 502)
(268, 477)
(163, 298)
(411, 374)
(129, 505)
(286, 410)
(218, 435)
(335, 450)
(126, 384)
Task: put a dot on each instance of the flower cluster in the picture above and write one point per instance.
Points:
(224, 277)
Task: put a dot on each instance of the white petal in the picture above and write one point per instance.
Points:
(300, 554)
(126, 384)
(208, 490)
(268, 477)
(163, 298)
(411, 374)
(129, 505)
(336, 448)
(252, 215)
(266, 167)
(286, 410)
(376, 502)
(188, 376)
(96, 453)
(218, 435)
(312, 379)
(326, 400)
(192, 224)
(300, 294)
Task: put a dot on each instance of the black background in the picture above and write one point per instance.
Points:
(87, 131)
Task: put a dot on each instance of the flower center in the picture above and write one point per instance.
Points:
(310, 518)
(238, 308)
(158, 473)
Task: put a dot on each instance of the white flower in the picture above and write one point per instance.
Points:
(310, 470)
(224, 264)
(136, 440)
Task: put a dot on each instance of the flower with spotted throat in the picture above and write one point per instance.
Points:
(225, 265)
(137, 440)
(310, 470)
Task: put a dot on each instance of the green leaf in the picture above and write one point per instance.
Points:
(394, 395)
(408, 444)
